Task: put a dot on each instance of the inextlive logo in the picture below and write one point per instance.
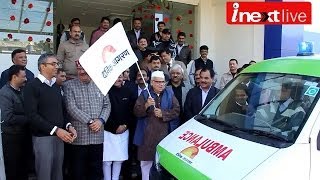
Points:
(268, 12)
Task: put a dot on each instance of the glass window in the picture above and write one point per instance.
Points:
(267, 108)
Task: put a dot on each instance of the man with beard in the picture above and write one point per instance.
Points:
(70, 51)
(15, 132)
(198, 97)
(103, 28)
(134, 34)
(155, 65)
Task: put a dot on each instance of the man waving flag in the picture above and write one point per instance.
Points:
(108, 57)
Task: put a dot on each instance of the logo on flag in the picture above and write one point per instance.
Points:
(108, 57)
(107, 52)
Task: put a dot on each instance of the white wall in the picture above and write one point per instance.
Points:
(243, 42)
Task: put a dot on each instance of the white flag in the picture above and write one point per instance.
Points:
(108, 57)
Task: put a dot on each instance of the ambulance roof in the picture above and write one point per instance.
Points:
(302, 65)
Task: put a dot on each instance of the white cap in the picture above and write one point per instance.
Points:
(158, 74)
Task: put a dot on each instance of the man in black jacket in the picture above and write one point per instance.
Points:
(198, 97)
(15, 137)
(116, 131)
(43, 106)
(134, 34)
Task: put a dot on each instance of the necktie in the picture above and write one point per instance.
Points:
(169, 66)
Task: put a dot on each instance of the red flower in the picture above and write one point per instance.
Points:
(191, 35)
(190, 21)
(190, 46)
(30, 5)
(158, 7)
(13, 1)
(140, 8)
(10, 36)
(178, 18)
(26, 20)
(178, 31)
(166, 20)
(30, 38)
(189, 11)
(48, 9)
(48, 23)
(145, 16)
(12, 18)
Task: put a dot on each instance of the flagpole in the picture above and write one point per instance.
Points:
(143, 79)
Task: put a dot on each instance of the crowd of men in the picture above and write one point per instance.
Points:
(60, 117)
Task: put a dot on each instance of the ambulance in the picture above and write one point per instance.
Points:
(263, 125)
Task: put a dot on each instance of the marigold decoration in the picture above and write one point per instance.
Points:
(30, 6)
(191, 35)
(48, 9)
(30, 38)
(10, 36)
(166, 20)
(190, 21)
(48, 23)
(189, 11)
(178, 18)
(26, 20)
(12, 18)
(13, 1)
(158, 7)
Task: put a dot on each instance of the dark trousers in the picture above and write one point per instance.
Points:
(86, 162)
(15, 155)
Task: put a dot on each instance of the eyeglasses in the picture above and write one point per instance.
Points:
(54, 64)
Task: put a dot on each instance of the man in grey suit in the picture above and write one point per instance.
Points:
(88, 110)
(169, 62)
(180, 88)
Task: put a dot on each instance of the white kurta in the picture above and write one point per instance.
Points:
(115, 146)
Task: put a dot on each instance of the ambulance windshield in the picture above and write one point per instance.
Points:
(275, 104)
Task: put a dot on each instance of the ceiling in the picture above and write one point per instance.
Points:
(90, 12)
(26, 16)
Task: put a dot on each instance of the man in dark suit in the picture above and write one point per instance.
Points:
(134, 34)
(19, 57)
(183, 51)
(198, 97)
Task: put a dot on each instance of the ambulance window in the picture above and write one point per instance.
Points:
(278, 104)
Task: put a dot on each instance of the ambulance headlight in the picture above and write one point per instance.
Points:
(305, 49)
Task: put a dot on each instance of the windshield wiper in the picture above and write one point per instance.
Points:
(258, 132)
